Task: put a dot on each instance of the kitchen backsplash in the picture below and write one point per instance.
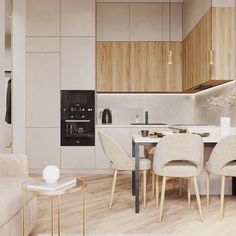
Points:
(165, 108)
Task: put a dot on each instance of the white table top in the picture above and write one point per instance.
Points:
(139, 139)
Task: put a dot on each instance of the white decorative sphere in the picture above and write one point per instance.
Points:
(51, 174)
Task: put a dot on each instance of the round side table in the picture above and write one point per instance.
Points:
(80, 185)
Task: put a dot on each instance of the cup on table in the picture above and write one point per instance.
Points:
(144, 133)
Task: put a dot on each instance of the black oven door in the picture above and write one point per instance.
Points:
(78, 133)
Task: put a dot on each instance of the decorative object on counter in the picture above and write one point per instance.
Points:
(180, 130)
(51, 174)
(144, 133)
(223, 105)
(137, 119)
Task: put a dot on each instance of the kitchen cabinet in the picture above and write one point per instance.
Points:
(42, 44)
(113, 67)
(42, 90)
(223, 43)
(146, 22)
(172, 74)
(196, 48)
(146, 66)
(121, 135)
(43, 147)
(77, 158)
(112, 22)
(78, 17)
(78, 63)
(176, 22)
(43, 18)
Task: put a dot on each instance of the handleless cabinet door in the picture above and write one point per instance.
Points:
(176, 22)
(43, 147)
(43, 18)
(78, 17)
(112, 22)
(146, 21)
(77, 158)
(42, 89)
(78, 63)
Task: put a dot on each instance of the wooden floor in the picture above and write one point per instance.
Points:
(121, 218)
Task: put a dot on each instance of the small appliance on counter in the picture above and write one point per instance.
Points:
(106, 116)
(77, 118)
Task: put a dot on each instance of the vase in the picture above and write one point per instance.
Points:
(225, 126)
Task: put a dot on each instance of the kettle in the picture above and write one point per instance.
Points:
(106, 116)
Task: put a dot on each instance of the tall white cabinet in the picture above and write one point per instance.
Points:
(60, 54)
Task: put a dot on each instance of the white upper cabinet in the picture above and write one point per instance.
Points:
(78, 17)
(42, 90)
(43, 18)
(113, 22)
(146, 21)
(176, 22)
(78, 63)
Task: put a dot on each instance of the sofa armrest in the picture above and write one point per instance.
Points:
(13, 165)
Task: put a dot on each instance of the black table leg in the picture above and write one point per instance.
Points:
(136, 151)
(133, 172)
(133, 183)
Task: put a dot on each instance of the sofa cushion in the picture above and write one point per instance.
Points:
(11, 197)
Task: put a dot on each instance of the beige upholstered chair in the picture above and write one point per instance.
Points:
(120, 161)
(178, 155)
(222, 162)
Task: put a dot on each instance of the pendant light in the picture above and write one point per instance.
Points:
(170, 61)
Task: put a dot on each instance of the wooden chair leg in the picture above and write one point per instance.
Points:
(153, 183)
(113, 188)
(180, 187)
(222, 195)
(157, 191)
(162, 197)
(208, 188)
(189, 195)
(198, 197)
(144, 188)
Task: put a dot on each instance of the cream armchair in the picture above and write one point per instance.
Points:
(14, 172)
(222, 162)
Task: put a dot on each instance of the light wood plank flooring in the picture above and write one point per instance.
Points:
(177, 218)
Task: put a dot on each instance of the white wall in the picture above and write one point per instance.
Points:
(193, 11)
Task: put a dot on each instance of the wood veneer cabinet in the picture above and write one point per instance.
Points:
(215, 33)
(196, 48)
(138, 67)
(223, 43)
(113, 67)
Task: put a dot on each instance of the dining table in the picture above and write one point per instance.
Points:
(138, 140)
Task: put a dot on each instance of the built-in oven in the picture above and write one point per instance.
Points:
(77, 118)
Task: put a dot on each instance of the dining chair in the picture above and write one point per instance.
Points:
(178, 155)
(150, 155)
(120, 161)
(222, 162)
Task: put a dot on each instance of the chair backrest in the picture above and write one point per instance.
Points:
(223, 153)
(179, 147)
(115, 152)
